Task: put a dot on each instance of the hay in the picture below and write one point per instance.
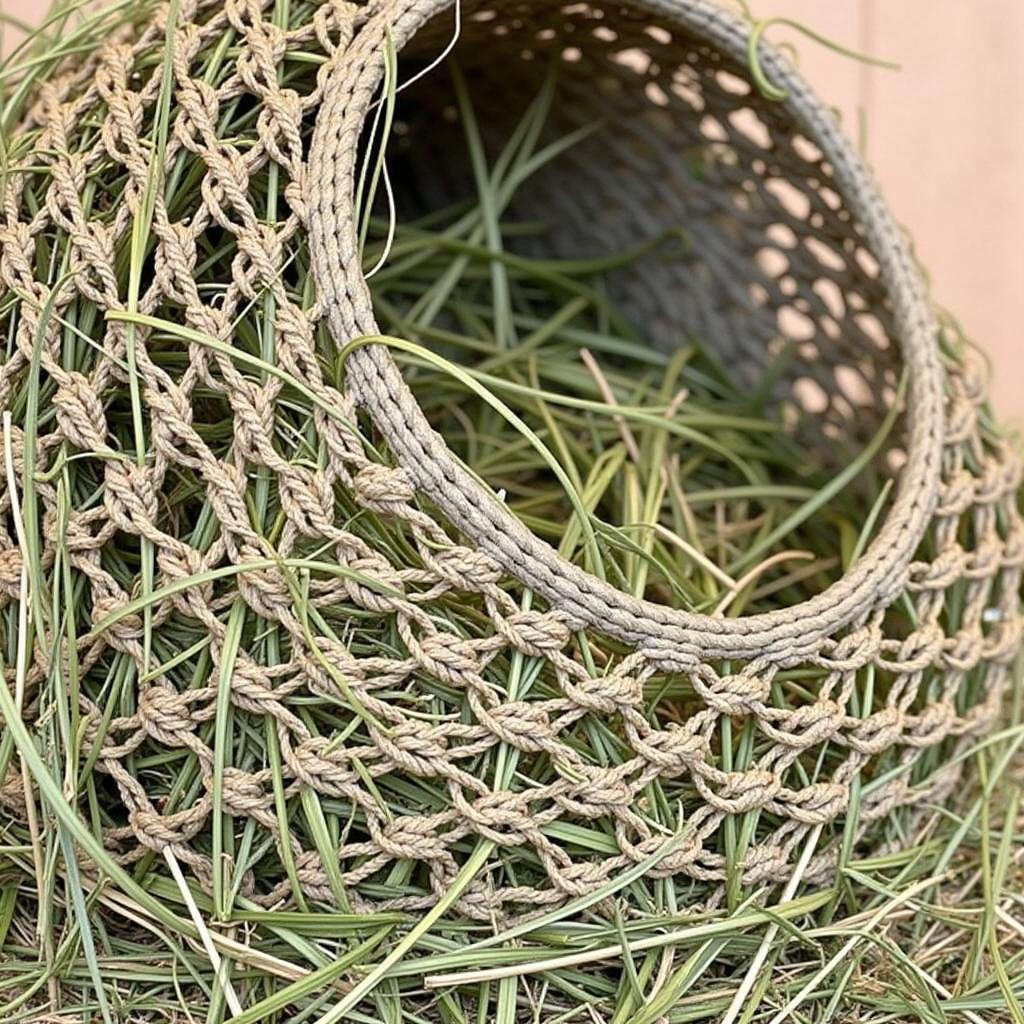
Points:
(655, 470)
(668, 474)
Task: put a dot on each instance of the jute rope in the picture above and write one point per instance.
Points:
(955, 519)
(377, 384)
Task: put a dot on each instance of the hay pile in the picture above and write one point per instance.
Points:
(224, 697)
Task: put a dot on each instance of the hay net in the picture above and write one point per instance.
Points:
(280, 562)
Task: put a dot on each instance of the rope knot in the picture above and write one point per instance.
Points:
(412, 838)
(450, 658)
(127, 627)
(165, 714)
(740, 792)
(817, 804)
(534, 633)
(414, 748)
(732, 695)
(611, 694)
(522, 725)
(377, 586)
(877, 732)
(601, 792)
(243, 793)
(80, 413)
(676, 749)
(383, 489)
(763, 863)
(10, 569)
(466, 568)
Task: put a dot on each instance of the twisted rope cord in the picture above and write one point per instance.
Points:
(967, 480)
(376, 383)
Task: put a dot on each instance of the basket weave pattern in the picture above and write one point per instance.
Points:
(85, 150)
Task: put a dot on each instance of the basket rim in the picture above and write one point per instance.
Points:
(672, 637)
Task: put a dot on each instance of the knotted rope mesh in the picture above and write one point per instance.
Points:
(196, 460)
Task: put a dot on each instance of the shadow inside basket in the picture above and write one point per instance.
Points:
(659, 335)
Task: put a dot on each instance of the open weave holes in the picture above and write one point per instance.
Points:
(791, 242)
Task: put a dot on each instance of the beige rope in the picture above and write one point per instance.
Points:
(377, 384)
(957, 491)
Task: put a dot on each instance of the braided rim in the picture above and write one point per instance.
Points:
(782, 636)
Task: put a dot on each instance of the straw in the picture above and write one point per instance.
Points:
(659, 472)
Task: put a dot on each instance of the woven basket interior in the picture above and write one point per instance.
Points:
(774, 261)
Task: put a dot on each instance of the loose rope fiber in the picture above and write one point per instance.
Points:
(175, 650)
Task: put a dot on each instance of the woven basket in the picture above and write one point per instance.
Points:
(791, 241)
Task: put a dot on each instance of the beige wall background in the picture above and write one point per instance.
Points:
(945, 135)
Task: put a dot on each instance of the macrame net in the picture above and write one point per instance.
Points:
(360, 663)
